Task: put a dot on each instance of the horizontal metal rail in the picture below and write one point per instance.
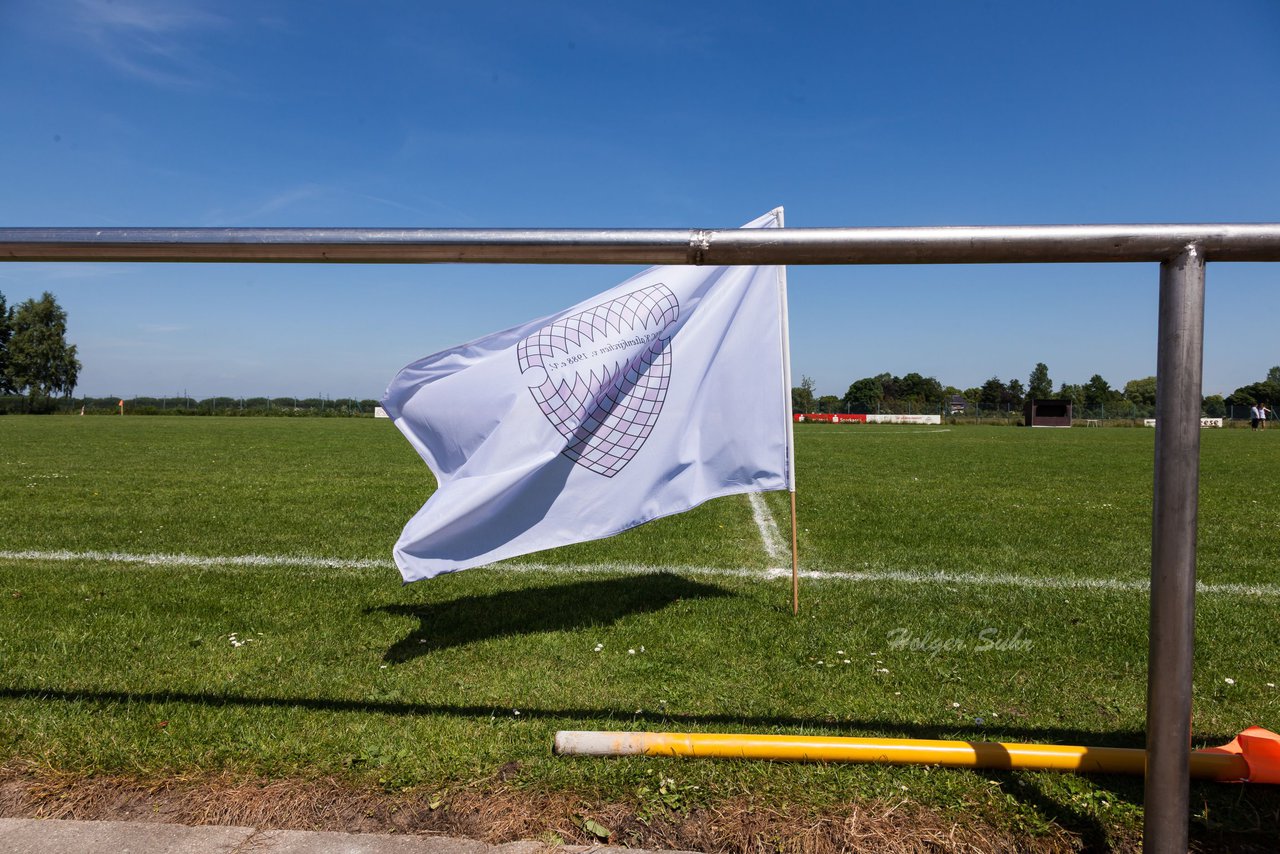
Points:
(1181, 250)
(932, 245)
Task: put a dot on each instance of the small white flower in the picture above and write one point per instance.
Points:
(819, 660)
(1271, 684)
(382, 667)
(882, 670)
(847, 661)
(839, 652)
(515, 712)
(1229, 681)
(631, 652)
(955, 705)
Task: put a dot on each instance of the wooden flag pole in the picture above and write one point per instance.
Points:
(790, 428)
(795, 561)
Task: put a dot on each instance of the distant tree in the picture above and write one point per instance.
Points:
(993, 392)
(828, 403)
(1246, 395)
(1072, 392)
(1039, 386)
(40, 362)
(1273, 375)
(6, 332)
(1141, 392)
(1097, 391)
(924, 392)
(1214, 406)
(864, 395)
(1266, 391)
(215, 404)
(1014, 394)
(889, 387)
(802, 399)
(1271, 387)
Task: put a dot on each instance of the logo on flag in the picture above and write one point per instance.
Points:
(647, 400)
(622, 349)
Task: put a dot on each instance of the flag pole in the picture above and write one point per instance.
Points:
(795, 561)
(791, 438)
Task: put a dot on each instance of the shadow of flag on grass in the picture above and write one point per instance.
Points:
(560, 607)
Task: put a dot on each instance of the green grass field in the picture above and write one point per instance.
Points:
(119, 659)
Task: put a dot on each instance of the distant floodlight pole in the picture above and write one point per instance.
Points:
(1179, 367)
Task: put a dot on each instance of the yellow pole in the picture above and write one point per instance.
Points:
(893, 751)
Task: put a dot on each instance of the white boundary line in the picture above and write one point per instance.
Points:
(197, 561)
(774, 546)
(874, 576)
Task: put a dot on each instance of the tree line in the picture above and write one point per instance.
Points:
(916, 393)
(35, 360)
(234, 406)
(37, 363)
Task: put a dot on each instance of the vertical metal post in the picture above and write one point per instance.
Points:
(1179, 364)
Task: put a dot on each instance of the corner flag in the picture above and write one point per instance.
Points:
(642, 402)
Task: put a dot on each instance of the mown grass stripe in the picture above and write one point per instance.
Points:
(917, 577)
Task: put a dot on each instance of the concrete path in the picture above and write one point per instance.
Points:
(36, 836)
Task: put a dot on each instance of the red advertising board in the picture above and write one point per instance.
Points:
(830, 417)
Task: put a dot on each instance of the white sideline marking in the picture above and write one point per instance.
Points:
(200, 561)
(967, 579)
(769, 534)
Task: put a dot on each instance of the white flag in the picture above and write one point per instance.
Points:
(645, 401)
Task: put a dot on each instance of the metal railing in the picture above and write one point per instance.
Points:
(1182, 252)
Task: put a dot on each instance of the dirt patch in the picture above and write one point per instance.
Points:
(498, 812)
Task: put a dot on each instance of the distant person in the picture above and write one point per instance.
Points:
(1255, 416)
(1262, 416)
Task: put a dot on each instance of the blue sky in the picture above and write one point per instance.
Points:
(184, 113)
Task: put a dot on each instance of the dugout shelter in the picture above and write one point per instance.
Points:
(1046, 413)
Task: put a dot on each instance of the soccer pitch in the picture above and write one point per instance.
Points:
(202, 596)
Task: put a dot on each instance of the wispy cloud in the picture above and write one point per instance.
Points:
(149, 40)
(312, 201)
(282, 200)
